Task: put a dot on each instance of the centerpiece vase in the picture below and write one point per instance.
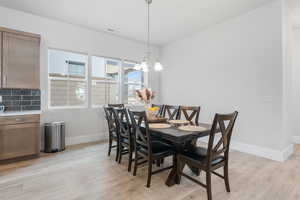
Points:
(150, 114)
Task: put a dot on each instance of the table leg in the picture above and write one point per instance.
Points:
(173, 177)
(196, 171)
(193, 169)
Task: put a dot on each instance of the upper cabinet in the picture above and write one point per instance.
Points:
(1, 58)
(20, 60)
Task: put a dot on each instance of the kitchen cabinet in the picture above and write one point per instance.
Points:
(19, 136)
(20, 59)
(0, 58)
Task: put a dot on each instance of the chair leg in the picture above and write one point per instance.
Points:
(120, 154)
(158, 163)
(226, 177)
(136, 158)
(149, 173)
(208, 185)
(117, 153)
(109, 146)
(130, 159)
(162, 161)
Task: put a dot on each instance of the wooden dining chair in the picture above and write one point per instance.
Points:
(161, 108)
(116, 105)
(126, 139)
(146, 149)
(214, 157)
(112, 130)
(190, 113)
(171, 112)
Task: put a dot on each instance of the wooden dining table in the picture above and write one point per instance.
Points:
(181, 140)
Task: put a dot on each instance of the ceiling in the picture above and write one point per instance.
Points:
(170, 19)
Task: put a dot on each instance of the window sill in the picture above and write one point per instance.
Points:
(67, 107)
(126, 105)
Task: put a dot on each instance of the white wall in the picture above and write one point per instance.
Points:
(296, 84)
(82, 124)
(294, 42)
(288, 76)
(234, 65)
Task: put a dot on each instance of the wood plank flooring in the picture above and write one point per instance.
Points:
(84, 172)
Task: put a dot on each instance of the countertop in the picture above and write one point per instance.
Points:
(15, 113)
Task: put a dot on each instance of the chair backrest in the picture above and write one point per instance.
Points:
(110, 118)
(140, 129)
(123, 122)
(171, 112)
(116, 105)
(222, 124)
(161, 108)
(190, 113)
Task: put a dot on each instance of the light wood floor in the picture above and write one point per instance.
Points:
(84, 172)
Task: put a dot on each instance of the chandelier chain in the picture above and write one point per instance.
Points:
(148, 36)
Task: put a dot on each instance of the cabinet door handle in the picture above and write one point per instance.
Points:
(19, 120)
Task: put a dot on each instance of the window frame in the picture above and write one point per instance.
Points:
(119, 81)
(85, 80)
(88, 80)
(143, 84)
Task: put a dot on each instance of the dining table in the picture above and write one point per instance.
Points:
(181, 139)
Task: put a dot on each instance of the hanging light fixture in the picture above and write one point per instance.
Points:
(144, 65)
(158, 66)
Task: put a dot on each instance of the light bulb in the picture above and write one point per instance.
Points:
(158, 66)
(137, 67)
(144, 66)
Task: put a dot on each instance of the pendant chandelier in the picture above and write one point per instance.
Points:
(144, 65)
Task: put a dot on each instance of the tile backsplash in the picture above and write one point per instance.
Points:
(21, 99)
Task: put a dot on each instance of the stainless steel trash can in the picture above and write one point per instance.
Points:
(54, 137)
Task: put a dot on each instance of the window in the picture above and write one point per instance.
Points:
(67, 79)
(132, 80)
(105, 81)
(109, 80)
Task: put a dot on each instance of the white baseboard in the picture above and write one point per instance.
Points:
(84, 139)
(287, 152)
(268, 153)
(296, 139)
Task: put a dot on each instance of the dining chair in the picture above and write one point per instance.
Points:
(146, 149)
(171, 112)
(116, 105)
(214, 157)
(126, 140)
(190, 113)
(112, 130)
(161, 108)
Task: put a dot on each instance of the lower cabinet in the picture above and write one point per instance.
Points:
(19, 139)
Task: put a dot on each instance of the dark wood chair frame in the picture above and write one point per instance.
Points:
(214, 151)
(112, 130)
(143, 141)
(116, 105)
(126, 138)
(171, 112)
(193, 117)
(161, 109)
